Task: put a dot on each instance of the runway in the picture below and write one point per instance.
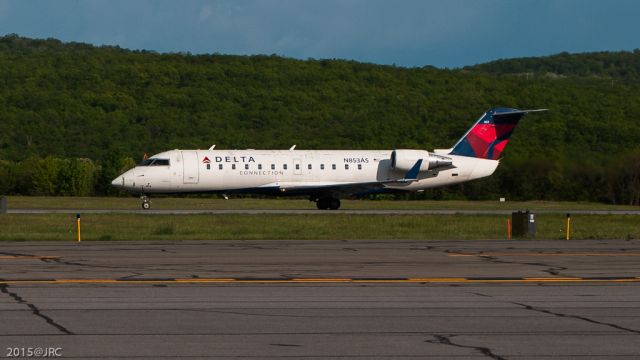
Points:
(323, 299)
(313, 212)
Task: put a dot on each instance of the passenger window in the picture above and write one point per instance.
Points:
(246, 166)
(333, 166)
(309, 166)
(346, 166)
(208, 166)
(259, 166)
(297, 166)
(233, 166)
(220, 166)
(321, 166)
(284, 166)
(273, 166)
(359, 166)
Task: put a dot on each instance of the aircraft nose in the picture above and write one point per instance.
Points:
(118, 182)
(124, 181)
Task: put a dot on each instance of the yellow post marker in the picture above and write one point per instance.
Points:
(568, 226)
(78, 221)
(508, 228)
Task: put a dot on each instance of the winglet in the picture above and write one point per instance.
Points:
(412, 175)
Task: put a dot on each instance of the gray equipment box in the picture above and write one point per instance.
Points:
(523, 224)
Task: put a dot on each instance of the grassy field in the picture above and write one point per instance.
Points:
(22, 227)
(310, 226)
(27, 202)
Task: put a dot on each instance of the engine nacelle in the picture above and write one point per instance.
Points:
(405, 159)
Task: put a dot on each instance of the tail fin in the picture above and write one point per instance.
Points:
(488, 137)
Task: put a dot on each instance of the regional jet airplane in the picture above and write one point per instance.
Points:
(325, 175)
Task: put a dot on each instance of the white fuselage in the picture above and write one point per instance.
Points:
(277, 171)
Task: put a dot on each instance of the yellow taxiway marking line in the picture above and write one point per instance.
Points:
(524, 281)
(83, 281)
(324, 280)
(437, 280)
(542, 254)
(202, 280)
(18, 257)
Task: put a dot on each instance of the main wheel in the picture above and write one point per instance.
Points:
(146, 205)
(334, 204)
(328, 203)
(323, 203)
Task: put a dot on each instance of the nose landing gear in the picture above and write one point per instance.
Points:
(146, 204)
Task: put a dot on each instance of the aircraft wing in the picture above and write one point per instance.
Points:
(345, 188)
(336, 188)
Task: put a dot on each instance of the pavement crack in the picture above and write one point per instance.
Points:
(427, 248)
(480, 294)
(446, 340)
(295, 345)
(133, 275)
(72, 263)
(554, 270)
(550, 269)
(15, 254)
(34, 309)
(532, 308)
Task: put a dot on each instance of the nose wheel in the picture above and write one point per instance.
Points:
(146, 204)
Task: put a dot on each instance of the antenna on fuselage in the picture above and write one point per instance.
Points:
(292, 148)
(212, 147)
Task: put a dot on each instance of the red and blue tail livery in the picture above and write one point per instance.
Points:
(490, 134)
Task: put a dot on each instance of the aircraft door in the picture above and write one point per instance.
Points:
(190, 170)
(297, 167)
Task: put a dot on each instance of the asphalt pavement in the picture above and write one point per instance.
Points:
(322, 299)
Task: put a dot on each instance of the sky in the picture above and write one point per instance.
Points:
(409, 33)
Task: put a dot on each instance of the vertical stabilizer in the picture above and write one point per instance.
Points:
(489, 136)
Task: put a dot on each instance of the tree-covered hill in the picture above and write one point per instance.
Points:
(621, 65)
(106, 104)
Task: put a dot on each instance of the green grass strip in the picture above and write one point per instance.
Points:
(212, 203)
(26, 227)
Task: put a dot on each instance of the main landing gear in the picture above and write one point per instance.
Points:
(146, 204)
(328, 203)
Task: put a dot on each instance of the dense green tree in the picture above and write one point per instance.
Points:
(76, 177)
(64, 102)
(113, 164)
(624, 178)
(46, 175)
(7, 177)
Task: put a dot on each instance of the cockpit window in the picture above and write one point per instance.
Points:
(154, 162)
(160, 162)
